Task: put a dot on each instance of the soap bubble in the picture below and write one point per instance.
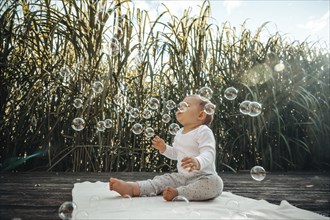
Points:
(65, 71)
(279, 67)
(237, 215)
(153, 103)
(149, 132)
(82, 215)
(134, 113)
(78, 124)
(66, 209)
(100, 126)
(234, 208)
(166, 118)
(170, 104)
(138, 60)
(209, 108)
(126, 202)
(255, 109)
(174, 128)
(110, 46)
(244, 107)
(123, 86)
(146, 114)
(108, 123)
(128, 109)
(118, 99)
(131, 119)
(206, 92)
(183, 106)
(77, 103)
(94, 201)
(232, 204)
(258, 173)
(181, 205)
(97, 87)
(152, 194)
(118, 32)
(230, 93)
(114, 47)
(137, 128)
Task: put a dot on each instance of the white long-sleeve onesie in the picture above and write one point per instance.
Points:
(199, 143)
(200, 184)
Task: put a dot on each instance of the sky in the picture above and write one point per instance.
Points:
(295, 19)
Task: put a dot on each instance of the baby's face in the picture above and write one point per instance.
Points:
(189, 110)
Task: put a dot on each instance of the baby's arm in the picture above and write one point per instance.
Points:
(190, 163)
(206, 147)
(159, 144)
(163, 148)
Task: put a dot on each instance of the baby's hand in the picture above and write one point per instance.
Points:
(159, 144)
(190, 163)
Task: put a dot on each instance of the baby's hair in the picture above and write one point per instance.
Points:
(203, 101)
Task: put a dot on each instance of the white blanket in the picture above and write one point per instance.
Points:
(95, 201)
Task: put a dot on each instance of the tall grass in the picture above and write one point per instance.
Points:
(52, 52)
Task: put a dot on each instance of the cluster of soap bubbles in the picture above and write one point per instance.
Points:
(153, 104)
(102, 125)
(246, 107)
(206, 92)
(253, 109)
(250, 108)
(78, 123)
(110, 44)
(111, 47)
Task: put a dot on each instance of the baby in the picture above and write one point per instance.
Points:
(193, 148)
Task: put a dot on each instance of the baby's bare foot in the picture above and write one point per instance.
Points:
(170, 193)
(124, 188)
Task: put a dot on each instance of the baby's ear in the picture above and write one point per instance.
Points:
(202, 116)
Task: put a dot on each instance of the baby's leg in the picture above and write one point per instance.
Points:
(124, 188)
(158, 184)
(170, 193)
(203, 188)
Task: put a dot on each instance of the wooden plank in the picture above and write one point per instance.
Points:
(38, 195)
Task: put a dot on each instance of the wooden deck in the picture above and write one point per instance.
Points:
(38, 195)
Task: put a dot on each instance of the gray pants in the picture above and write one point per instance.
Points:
(193, 186)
